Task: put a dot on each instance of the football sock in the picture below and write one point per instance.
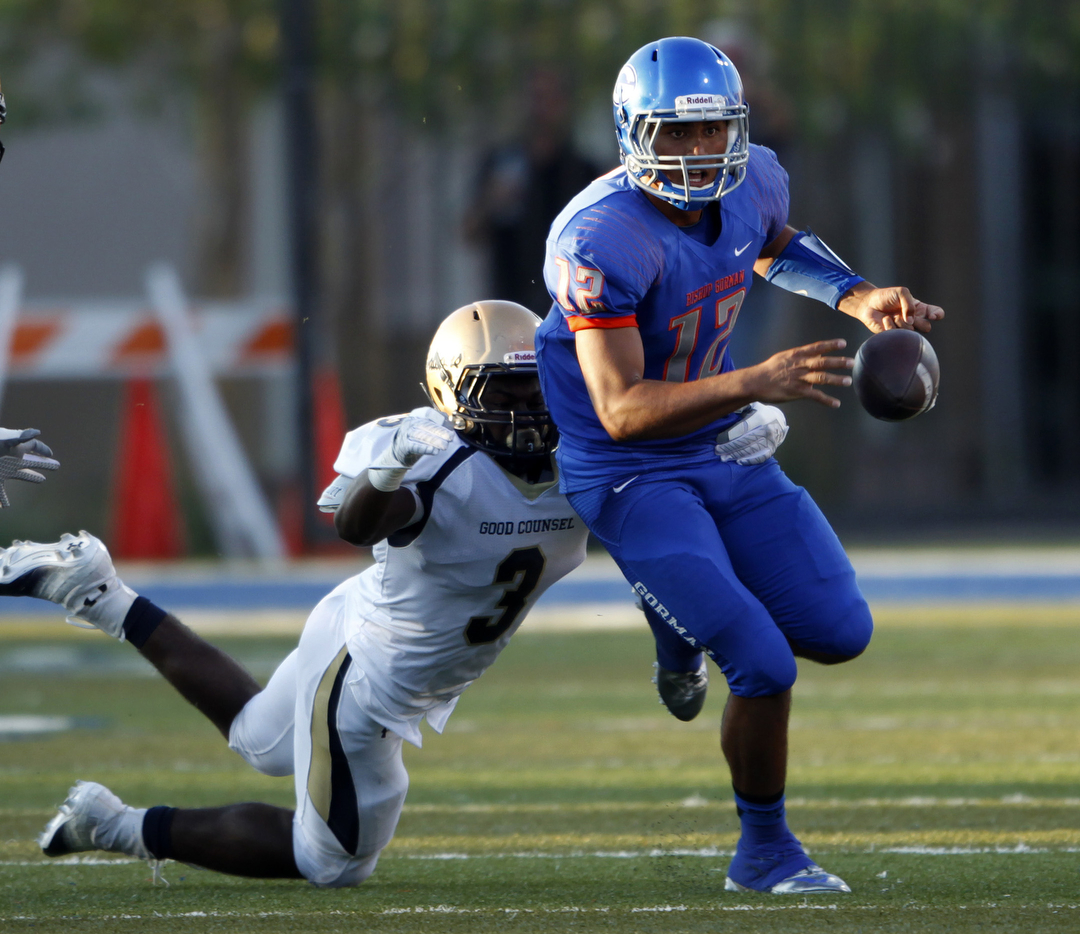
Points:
(123, 833)
(762, 818)
(156, 831)
(141, 620)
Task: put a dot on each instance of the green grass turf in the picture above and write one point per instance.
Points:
(939, 774)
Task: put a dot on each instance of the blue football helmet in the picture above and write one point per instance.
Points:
(680, 80)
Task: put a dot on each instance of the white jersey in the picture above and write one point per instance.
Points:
(449, 589)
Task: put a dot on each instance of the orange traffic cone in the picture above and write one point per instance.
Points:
(329, 417)
(329, 424)
(146, 520)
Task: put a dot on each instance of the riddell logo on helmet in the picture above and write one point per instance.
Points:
(519, 356)
(699, 102)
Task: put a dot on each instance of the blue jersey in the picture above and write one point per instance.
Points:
(613, 260)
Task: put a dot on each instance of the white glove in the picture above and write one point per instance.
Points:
(755, 437)
(417, 436)
(19, 452)
(332, 496)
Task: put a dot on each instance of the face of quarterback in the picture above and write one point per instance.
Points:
(701, 138)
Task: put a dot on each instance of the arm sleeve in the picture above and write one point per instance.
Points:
(768, 185)
(600, 267)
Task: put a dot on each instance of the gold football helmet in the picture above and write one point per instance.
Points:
(481, 372)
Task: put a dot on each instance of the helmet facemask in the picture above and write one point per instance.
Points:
(500, 410)
(660, 175)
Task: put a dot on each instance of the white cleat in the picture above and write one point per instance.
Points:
(75, 572)
(805, 882)
(82, 821)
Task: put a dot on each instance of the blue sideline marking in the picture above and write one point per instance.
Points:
(254, 595)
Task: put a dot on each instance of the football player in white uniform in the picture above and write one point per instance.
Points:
(461, 504)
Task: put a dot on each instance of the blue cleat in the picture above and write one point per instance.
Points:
(784, 868)
(805, 882)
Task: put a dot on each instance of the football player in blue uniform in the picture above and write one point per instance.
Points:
(666, 446)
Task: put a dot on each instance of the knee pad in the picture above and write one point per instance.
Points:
(268, 748)
(852, 632)
(355, 873)
(768, 677)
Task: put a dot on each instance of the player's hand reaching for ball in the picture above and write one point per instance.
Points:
(796, 374)
(888, 309)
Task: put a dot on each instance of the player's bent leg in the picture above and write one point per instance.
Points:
(753, 736)
(262, 732)
(682, 572)
(352, 798)
(209, 679)
(248, 839)
(784, 550)
(240, 839)
(339, 836)
(694, 587)
(350, 778)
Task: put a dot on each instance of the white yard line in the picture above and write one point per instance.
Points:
(511, 912)
(1020, 801)
(694, 801)
(707, 852)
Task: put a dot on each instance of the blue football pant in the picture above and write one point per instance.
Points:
(740, 562)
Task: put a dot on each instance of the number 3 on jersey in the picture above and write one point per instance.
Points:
(521, 569)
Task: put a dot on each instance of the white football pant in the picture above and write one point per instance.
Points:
(350, 780)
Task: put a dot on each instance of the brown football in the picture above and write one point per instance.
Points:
(896, 375)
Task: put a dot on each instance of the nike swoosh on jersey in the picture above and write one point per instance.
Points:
(623, 486)
(743, 250)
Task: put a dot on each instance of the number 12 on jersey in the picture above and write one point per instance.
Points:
(688, 326)
(521, 569)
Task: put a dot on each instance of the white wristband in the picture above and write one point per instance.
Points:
(386, 479)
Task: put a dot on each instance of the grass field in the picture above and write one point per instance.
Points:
(939, 774)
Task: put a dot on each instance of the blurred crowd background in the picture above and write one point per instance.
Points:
(932, 143)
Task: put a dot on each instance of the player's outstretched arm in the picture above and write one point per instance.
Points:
(802, 263)
(374, 505)
(632, 408)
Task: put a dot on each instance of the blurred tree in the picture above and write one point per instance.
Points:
(223, 50)
(881, 62)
